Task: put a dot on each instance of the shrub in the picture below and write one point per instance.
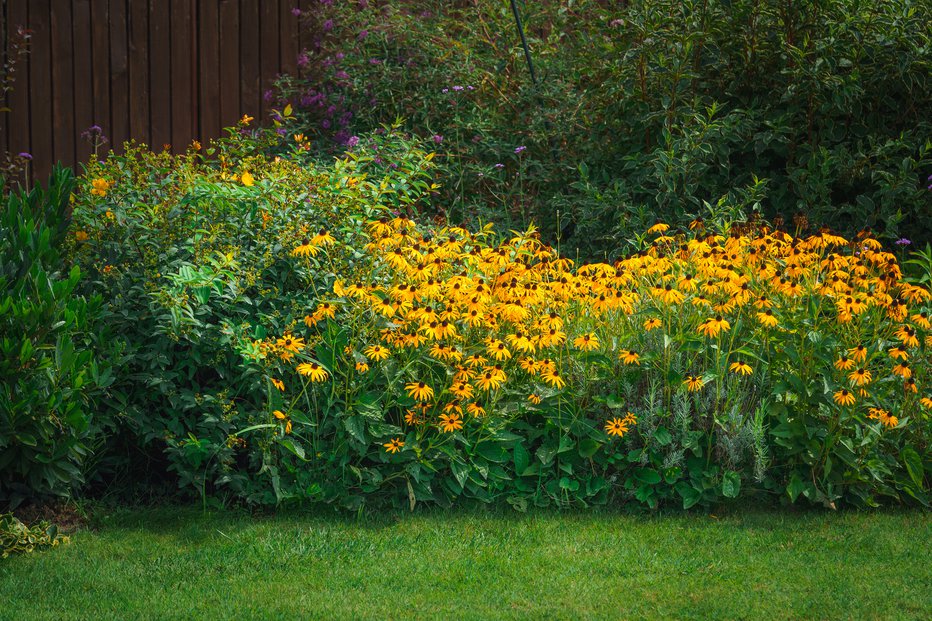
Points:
(642, 109)
(188, 253)
(18, 538)
(48, 373)
(287, 332)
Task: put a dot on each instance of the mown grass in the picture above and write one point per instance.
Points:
(180, 563)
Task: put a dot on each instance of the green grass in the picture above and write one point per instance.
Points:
(179, 563)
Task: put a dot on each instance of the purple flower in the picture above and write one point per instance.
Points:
(340, 55)
(362, 35)
(520, 149)
(353, 141)
(457, 88)
(903, 242)
(296, 12)
(268, 95)
(325, 123)
(375, 61)
(438, 138)
(303, 60)
(446, 90)
(25, 156)
(328, 25)
(499, 165)
(341, 75)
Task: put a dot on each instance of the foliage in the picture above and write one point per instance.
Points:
(642, 109)
(189, 254)
(287, 333)
(48, 373)
(18, 538)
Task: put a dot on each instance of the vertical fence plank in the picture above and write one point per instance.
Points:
(6, 29)
(208, 71)
(83, 77)
(249, 58)
(17, 120)
(229, 62)
(160, 86)
(182, 75)
(62, 82)
(40, 82)
(288, 37)
(119, 74)
(139, 70)
(100, 57)
(268, 49)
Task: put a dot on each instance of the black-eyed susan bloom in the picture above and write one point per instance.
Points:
(858, 354)
(553, 378)
(376, 352)
(629, 356)
(586, 342)
(419, 391)
(313, 371)
(860, 377)
(394, 445)
(844, 363)
(714, 326)
(767, 318)
(693, 383)
(741, 367)
(652, 324)
(534, 398)
(450, 422)
(844, 397)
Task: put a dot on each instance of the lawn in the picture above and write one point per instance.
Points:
(181, 563)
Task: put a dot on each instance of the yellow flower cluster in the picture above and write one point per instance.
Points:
(516, 314)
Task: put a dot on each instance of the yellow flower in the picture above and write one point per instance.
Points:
(712, 327)
(100, 187)
(247, 179)
(498, 350)
(313, 371)
(419, 391)
(305, 249)
(489, 381)
(376, 352)
(693, 383)
(898, 353)
(279, 415)
(535, 399)
(291, 343)
(620, 426)
(394, 445)
(652, 324)
(844, 363)
(475, 409)
(362, 367)
(860, 377)
(660, 227)
(246, 120)
(553, 377)
(926, 403)
(629, 356)
(278, 384)
(450, 422)
(903, 370)
(858, 354)
(587, 342)
(844, 397)
(741, 367)
(767, 319)
(81, 236)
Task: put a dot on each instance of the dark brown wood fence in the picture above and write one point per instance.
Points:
(163, 72)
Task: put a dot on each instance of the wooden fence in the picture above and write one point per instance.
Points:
(157, 71)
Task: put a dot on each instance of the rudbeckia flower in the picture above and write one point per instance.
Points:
(394, 445)
(419, 391)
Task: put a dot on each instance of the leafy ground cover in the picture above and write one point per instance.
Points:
(181, 563)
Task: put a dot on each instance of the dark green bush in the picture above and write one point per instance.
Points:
(48, 425)
(645, 109)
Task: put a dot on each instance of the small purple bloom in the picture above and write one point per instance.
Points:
(499, 165)
(457, 88)
(375, 61)
(25, 156)
(296, 12)
(325, 123)
(438, 138)
(520, 149)
(903, 242)
(303, 60)
(328, 25)
(353, 141)
(340, 55)
(446, 90)
(363, 34)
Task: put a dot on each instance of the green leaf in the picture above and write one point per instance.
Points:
(356, 427)
(522, 458)
(731, 484)
(647, 475)
(913, 466)
(588, 447)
